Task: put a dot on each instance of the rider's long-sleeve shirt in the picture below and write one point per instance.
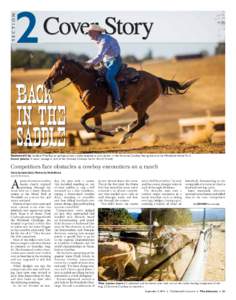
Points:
(108, 48)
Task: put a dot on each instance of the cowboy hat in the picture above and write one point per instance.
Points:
(95, 27)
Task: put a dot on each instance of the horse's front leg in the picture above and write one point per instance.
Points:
(134, 123)
(83, 121)
(94, 113)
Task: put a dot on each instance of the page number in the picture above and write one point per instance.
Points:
(25, 38)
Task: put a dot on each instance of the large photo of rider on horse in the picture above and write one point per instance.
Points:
(117, 102)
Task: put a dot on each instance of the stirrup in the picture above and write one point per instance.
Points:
(118, 107)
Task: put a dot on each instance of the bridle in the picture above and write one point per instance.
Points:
(58, 90)
(57, 73)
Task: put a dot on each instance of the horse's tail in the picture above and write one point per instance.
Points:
(171, 87)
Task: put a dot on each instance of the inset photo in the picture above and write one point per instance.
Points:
(161, 244)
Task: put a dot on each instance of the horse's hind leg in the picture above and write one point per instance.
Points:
(93, 113)
(140, 123)
(132, 124)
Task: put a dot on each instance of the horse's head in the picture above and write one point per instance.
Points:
(57, 73)
(159, 231)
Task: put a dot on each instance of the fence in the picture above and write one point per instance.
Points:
(194, 253)
(196, 269)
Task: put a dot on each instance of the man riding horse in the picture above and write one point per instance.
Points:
(139, 94)
(109, 54)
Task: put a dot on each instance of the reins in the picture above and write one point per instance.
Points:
(58, 90)
(52, 92)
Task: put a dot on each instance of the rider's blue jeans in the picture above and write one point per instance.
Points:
(113, 67)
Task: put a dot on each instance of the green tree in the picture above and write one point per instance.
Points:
(148, 55)
(220, 48)
(130, 59)
(114, 216)
(38, 59)
(167, 216)
(20, 59)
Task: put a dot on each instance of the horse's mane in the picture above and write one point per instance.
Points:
(77, 63)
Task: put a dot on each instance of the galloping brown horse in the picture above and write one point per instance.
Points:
(96, 98)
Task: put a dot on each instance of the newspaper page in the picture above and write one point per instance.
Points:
(118, 178)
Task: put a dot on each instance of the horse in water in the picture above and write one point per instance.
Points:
(97, 99)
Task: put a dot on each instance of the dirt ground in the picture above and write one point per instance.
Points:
(215, 267)
(132, 148)
(161, 135)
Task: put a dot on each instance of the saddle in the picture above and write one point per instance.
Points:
(125, 76)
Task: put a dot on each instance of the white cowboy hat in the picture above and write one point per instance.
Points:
(95, 27)
(156, 224)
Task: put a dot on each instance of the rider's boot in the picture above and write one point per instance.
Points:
(118, 106)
